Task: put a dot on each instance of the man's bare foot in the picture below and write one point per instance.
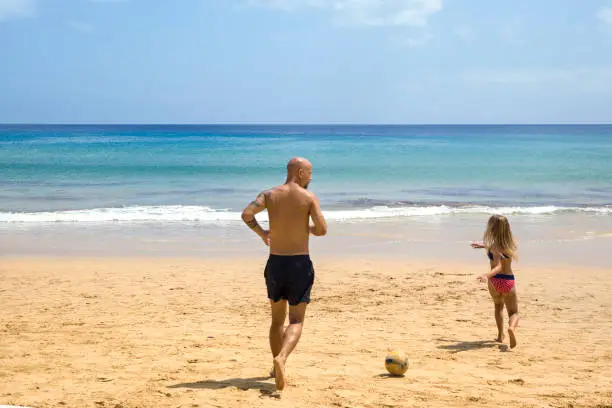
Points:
(279, 373)
(512, 336)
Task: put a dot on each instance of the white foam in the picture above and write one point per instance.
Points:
(202, 214)
(424, 211)
(124, 214)
(387, 212)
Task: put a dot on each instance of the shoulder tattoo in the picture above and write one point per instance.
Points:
(260, 200)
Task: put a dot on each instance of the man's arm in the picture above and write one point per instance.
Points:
(320, 226)
(248, 216)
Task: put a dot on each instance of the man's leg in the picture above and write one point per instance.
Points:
(279, 313)
(290, 340)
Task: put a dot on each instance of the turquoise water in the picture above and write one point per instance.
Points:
(208, 173)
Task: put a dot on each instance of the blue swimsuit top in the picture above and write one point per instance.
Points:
(504, 256)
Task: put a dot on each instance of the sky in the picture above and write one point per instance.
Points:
(306, 61)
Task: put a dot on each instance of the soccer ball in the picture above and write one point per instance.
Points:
(396, 362)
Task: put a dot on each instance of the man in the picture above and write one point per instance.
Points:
(289, 272)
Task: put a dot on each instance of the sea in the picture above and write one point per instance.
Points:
(386, 184)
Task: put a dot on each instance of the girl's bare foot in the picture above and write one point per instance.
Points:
(512, 336)
(500, 338)
(272, 372)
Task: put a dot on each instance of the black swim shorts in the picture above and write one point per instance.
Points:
(289, 277)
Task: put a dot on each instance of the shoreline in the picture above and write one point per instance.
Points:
(543, 241)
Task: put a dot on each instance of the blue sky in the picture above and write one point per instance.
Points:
(306, 61)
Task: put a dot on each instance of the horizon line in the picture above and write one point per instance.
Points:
(294, 124)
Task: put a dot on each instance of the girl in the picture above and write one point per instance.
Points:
(501, 250)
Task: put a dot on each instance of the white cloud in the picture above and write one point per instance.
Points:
(365, 12)
(592, 79)
(16, 9)
(605, 15)
(83, 27)
(288, 4)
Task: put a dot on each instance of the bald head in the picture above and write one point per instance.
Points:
(299, 170)
(297, 163)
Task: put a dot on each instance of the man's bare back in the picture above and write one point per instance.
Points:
(290, 208)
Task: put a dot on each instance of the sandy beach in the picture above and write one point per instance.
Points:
(144, 332)
(151, 158)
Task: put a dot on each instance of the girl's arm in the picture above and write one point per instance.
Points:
(495, 269)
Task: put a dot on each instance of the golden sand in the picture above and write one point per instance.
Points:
(193, 333)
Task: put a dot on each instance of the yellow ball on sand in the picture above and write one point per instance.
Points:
(396, 362)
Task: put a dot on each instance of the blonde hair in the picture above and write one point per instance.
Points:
(498, 236)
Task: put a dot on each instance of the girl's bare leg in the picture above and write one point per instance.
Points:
(499, 321)
(499, 308)
(511, 301)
